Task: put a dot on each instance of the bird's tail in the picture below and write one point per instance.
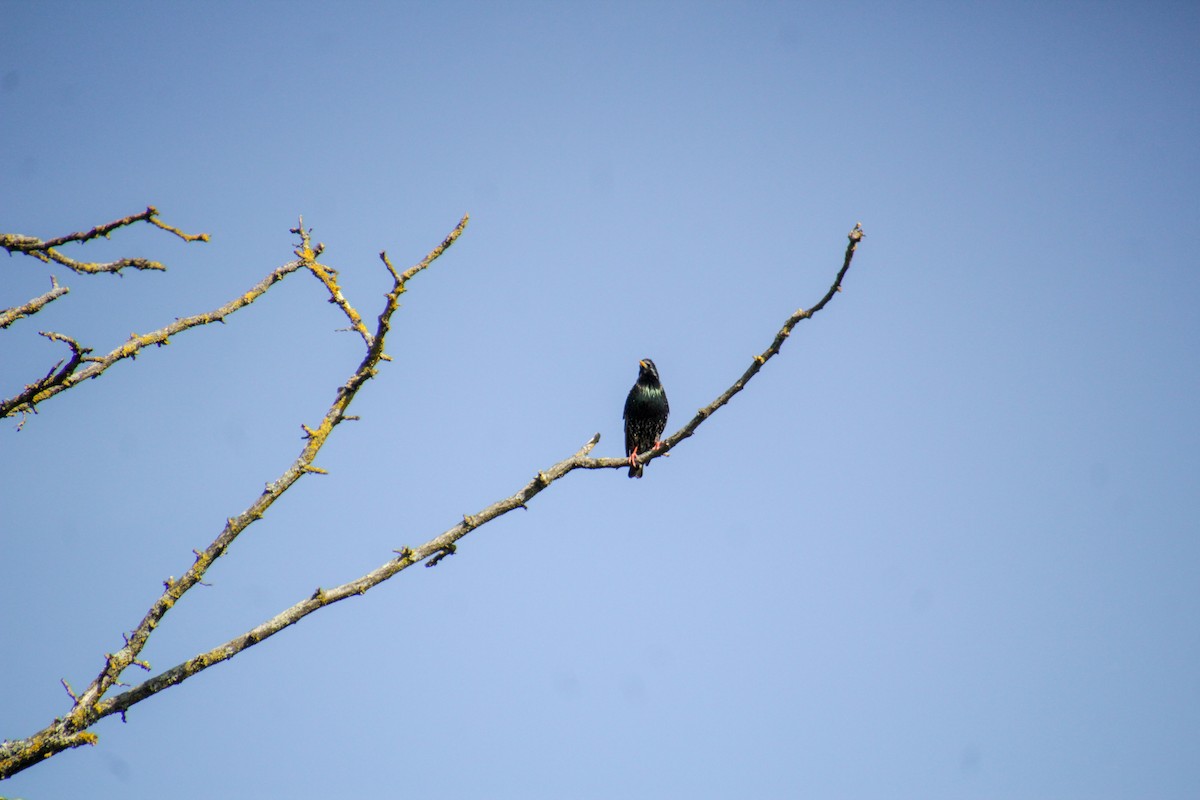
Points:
(636, 471)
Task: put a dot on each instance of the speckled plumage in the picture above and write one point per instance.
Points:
(646, 411)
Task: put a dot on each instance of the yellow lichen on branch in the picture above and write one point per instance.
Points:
(64, 379)
(92, 705)
(47, 251)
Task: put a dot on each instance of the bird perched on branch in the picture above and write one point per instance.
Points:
(646, 411)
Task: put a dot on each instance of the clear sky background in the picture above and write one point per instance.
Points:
(945, 546)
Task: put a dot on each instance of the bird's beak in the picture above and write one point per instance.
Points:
(643, 364)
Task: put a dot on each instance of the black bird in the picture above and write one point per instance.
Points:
(646, 411)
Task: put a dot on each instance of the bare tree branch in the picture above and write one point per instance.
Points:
(437, 548)
(11, 315)
(855, 236)
(46, 252)
(90, 707)
(71, 731)
(62, 379)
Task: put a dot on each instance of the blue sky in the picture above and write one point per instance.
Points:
(944, 546)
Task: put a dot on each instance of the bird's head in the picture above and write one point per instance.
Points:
(647, 372)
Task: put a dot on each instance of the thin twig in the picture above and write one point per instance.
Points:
(855, 236)
(9, 316)
(328, 276)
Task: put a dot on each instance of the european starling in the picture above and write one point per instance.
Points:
(646, 412)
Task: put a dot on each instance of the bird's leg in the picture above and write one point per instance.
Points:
(633, 457)
(659, 444)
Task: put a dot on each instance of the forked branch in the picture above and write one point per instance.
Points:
(59, 380)
(67, 372)
(48, 251)
(91, 705)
